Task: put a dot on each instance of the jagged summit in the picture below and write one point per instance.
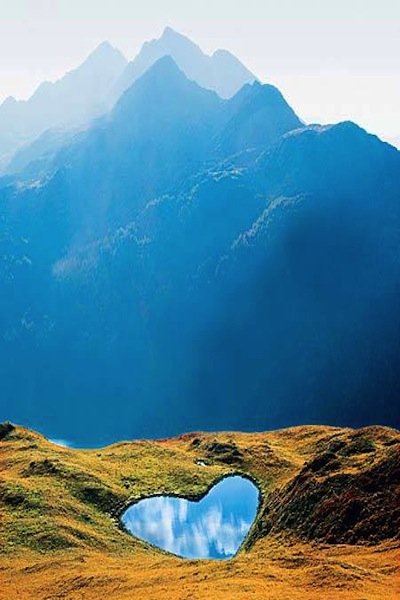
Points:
(172, 43)
(221, 72)
(170, 34)
(104, 61)
(169, 31)
(104, 51)
(104, 46)
(175, 41)
(103, 58)
(260, 115)
(164, 83)
(166, 65)
(72, 100)
(98, 83)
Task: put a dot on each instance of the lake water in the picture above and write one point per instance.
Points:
(215, 527)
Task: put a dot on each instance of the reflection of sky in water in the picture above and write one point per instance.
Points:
(215, 527)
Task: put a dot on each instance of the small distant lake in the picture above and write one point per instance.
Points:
(213, 528)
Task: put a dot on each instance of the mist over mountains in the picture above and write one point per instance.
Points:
(197, 257)
(72, 101)
(221, 72)
(95, 86)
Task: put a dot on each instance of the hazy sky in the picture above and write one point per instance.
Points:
(333, 59)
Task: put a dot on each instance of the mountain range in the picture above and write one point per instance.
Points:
(71, 101)
(190, 261)
(221, 72)
(95, 86)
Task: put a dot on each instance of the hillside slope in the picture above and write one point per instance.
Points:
(60, 509)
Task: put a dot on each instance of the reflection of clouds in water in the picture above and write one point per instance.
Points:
(183, 510)
(212, 528)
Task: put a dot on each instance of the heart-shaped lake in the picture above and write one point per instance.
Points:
(214, 527)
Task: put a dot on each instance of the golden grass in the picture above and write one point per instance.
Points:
(60, 538)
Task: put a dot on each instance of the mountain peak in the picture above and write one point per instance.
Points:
(164, 90)
(178, 45)
(170, 35)
(259, 116)
(165, 81)
(71, 101)
(104, 52)
(169, 32)
(158, 79)
(103, 46)
(164, 67)
(222, 72)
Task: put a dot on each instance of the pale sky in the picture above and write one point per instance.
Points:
(332, 59)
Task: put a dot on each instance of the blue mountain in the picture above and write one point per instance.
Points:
(34, 130)
(192, 262)
(71, 101)
(222, 72)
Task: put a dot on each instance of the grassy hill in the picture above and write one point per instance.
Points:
(328, 525)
